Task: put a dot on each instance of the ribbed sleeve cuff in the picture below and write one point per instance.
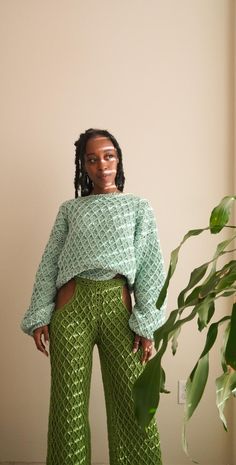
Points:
(34, 319)
(145, 325)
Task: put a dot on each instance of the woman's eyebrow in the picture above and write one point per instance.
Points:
(103, 149)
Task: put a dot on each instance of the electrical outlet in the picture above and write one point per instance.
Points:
(181, 391)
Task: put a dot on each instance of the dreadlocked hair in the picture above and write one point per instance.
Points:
(82, 181)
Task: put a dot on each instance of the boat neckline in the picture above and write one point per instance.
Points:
(104, 194)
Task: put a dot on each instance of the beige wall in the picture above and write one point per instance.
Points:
(159, 75)
(234, 170)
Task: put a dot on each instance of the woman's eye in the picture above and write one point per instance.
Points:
(108, 155)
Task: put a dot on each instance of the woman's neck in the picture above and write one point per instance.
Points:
(94, 192)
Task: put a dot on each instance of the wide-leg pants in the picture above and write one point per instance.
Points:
(95, 314)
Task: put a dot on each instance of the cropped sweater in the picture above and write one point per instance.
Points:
(98, 236)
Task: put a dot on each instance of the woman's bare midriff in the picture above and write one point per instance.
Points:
(66, 291)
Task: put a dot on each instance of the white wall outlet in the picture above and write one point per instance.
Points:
(181, 391)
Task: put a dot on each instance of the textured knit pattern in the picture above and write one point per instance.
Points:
(95, 314)
(97, 237)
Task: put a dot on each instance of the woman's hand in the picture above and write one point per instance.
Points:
(37, 334)
(146, 346)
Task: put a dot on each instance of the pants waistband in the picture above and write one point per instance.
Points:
(120, 280)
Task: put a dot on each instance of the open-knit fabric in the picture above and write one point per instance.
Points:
(95, 315)
(96, 237)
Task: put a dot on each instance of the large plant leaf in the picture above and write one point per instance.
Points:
(212, 335)
(224, 387)
(174, 337)
(229, 292)
(201, 296)
(220, 250)
(163, 381)
(165, 329)
(195, 385)
(171, 329)
(230, 350)
(146, 389)
(228, 276)
(220, 280)
(212, 280)
(173, 263)
(220, 214)
(211, 284)
(225, 339)
(194, 390)
(206, 310)
(197, 380)
(193, 298)
(195, 277)
(199, 272)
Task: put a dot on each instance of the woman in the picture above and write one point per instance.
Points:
(103, 246)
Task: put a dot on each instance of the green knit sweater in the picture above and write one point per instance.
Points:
(98, 236)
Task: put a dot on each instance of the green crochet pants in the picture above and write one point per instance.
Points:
(95, 314)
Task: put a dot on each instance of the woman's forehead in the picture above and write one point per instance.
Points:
(101, 143)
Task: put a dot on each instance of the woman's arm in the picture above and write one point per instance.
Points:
(44, 290)
(150, 274)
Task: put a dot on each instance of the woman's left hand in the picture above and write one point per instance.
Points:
(147, 346)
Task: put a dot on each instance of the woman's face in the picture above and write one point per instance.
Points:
(101, 162)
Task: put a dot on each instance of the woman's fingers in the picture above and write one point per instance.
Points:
(146, 347)
(137, 340)
(38, 333)
(46, 334)
(46, 338)
(147, 350)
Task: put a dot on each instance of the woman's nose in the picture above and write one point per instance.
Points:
(102, 164)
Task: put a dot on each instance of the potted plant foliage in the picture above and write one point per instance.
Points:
(207, 283)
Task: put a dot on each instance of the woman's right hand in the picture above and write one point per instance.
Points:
(39, 334)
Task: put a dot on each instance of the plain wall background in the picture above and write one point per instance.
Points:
(234, 170)
(159, 74)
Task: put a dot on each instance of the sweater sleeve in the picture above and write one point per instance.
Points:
(150, 274)
(44, 289)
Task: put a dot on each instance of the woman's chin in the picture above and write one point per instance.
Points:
(105, 182)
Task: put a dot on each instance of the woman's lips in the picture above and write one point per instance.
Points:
(103, 176)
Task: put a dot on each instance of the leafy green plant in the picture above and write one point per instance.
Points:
(196, 301)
